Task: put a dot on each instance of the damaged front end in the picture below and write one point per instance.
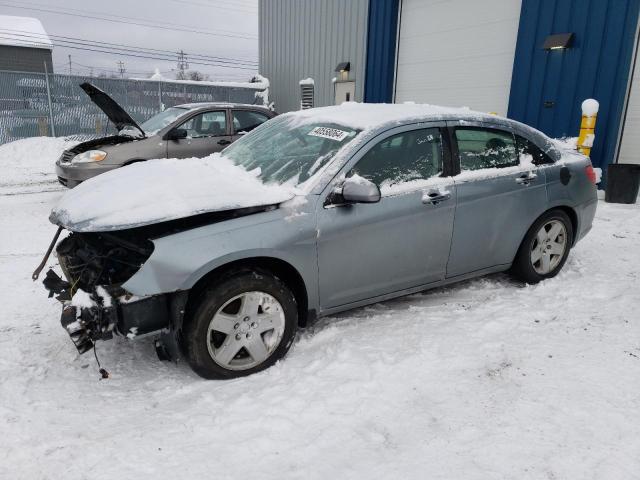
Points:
(94, 304)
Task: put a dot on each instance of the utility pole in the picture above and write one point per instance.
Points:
(183, 66)
(121, 68)
(70, 65)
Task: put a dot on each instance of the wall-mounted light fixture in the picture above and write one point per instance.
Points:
(343, 70)
(558, 41)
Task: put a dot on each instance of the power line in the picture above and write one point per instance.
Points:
(135, 49)
(148, 25)
(110, 52)
(28, 4)
(218, 5)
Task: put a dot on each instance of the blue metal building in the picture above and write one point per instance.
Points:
(487, 55)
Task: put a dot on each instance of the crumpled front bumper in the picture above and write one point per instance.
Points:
(124, 315)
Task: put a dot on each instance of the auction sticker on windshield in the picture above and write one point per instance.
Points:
(330, 133)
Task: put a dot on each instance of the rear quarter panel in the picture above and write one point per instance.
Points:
(579, 193)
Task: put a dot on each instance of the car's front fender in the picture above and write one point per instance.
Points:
(180, 260)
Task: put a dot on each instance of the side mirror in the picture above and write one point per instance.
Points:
(360, 190)
(177, 134)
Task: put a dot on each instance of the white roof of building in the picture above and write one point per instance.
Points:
(23, 32)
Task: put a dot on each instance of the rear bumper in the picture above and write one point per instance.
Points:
(586, 213)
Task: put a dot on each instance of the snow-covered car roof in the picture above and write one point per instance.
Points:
(370, 116)
(191, 106)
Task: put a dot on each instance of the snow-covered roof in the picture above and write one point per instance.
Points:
(219, 104)
(23, 32)
(367, 116)
(248, 85)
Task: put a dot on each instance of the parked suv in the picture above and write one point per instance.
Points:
(313, 213)
(183, 131)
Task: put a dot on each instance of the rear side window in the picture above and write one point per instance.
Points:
(412, 155)
(246, 120)
(485, 148)
(529, 152)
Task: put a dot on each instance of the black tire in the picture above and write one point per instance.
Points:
(195, 330)
(523, 268)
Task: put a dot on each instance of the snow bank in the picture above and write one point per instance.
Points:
(31, 160)
(159, 190)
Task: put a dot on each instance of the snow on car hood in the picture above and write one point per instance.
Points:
(159, 190)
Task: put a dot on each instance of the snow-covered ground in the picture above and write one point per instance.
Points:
(488, 379)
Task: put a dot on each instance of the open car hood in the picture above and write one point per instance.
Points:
(118, 116)
(158, 191)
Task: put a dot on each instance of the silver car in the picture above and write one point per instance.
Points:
(378, 201)
(183, 131)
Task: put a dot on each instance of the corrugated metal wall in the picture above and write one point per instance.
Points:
(309, 38)
(549, 86)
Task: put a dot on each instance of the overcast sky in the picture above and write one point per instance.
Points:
(198, 21)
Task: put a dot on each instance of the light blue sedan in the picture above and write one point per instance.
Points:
(352, 205)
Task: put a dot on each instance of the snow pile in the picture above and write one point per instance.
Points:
(307, 81)
(23, 32)
(569, 144)
(158, 190)
(263, 96)
(31, 161)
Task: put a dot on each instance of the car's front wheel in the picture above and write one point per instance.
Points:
(241, 325)
(545, 248)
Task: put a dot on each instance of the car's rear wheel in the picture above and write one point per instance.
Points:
(241, 325)
(545, 248)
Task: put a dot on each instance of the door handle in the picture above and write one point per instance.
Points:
(224, 141)
(526, 179)
(434, 197)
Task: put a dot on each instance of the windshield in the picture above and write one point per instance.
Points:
(286, 152)
(162, 119)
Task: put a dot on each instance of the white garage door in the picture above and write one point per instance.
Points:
(457, 52)
(630, 144)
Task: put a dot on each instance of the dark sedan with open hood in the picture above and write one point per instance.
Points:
(183, 131)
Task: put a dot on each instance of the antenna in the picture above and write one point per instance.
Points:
(121, 68)
(69, 64)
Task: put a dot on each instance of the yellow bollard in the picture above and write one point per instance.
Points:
(588, 126)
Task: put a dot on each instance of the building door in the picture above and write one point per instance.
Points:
(548, 86)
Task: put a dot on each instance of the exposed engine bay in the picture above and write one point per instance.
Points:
(95, 265)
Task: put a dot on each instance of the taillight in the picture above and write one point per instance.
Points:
(591, 174)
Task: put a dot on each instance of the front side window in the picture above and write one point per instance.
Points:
(207, 124)
(480, 148)
(162, 119)
(246, 120)
(401, 158)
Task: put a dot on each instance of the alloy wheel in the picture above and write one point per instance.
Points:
(245, 331)
(548, 247)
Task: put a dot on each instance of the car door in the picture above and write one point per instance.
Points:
(370, 250)
(499, 195)
(244, 120)
(207, 132)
